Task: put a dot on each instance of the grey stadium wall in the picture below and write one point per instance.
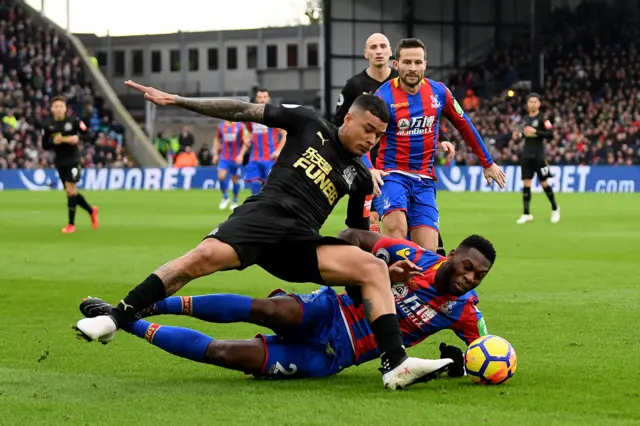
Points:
(455, 31)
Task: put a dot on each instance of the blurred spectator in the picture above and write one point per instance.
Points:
(205, 158)
(186, 158)
(471, 101)
(186, 138)
(35, 65)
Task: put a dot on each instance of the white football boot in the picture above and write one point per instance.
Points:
(555, 215)
(102, 329)
(524, 219)
(414, 370)
(224, 204)
(233, 206)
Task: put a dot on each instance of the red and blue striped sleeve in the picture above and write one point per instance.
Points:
(460, 120)
(470, 326)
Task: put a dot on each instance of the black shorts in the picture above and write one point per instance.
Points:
(71, 174)
(263, 233)
(535, 166)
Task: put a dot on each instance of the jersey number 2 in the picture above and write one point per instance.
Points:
(279, 369)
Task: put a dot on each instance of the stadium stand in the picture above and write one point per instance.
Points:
(591, 78)
(37, 64)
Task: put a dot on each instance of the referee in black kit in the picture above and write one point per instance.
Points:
(377, 51)
(536, 128)
(61, 134)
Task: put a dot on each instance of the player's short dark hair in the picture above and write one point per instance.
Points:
(410, 43)
(262, 89)
(533, 95)
(59, 98)
(374, 105)
(481, 244)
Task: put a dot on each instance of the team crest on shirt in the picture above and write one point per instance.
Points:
(447, 307)
(399, 290)
(68, 127)
(435, 102)
(349, 175)
(403, 124)
(384, 255)
(535, 123)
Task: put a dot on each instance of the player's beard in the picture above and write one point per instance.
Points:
(417, 79)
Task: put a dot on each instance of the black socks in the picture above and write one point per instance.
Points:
(144, 295)
(386, 330)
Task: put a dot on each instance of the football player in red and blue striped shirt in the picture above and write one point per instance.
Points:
(266, 144)
(227, 155)
(407, 154)
(322, 333)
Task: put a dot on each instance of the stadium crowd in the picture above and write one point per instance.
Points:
(591, 95)
(37, 64)
(592, 72)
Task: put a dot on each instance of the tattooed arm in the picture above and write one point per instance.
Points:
(224, 109)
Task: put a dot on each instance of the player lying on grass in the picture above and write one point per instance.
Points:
(322, 333)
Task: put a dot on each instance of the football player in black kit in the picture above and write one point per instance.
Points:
(61, 134)
(278, 228)
(377, 51)
(537, 128)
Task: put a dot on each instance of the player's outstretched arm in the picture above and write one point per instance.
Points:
(224, 109)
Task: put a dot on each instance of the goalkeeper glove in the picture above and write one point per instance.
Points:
(455, 353)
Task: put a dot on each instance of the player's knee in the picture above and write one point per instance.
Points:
(212, 256)
(263, 310)
(219, 352)
(395, 226)
(373, 271)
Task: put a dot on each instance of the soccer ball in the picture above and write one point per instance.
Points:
(490, 360)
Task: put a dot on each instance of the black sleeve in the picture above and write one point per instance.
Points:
(544, 132)
(346, 99)
(47, 143)
(360, 205)
(443, 137)
(289, 117)
(84, 134)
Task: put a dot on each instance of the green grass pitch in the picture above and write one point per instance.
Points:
(566, 296)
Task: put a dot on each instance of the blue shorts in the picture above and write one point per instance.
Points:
(258, 170)
(318, 347)
(230, 166)
(416, 197)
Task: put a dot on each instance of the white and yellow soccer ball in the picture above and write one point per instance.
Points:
(490, 360)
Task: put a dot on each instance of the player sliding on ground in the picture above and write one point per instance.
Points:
(322, 333)
(279, 228)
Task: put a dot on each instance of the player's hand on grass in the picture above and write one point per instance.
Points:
(449, 149)
(529, 131)
(153, 95)
(377, 175)
(455, 353)
(401, 271)
(496, 174)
